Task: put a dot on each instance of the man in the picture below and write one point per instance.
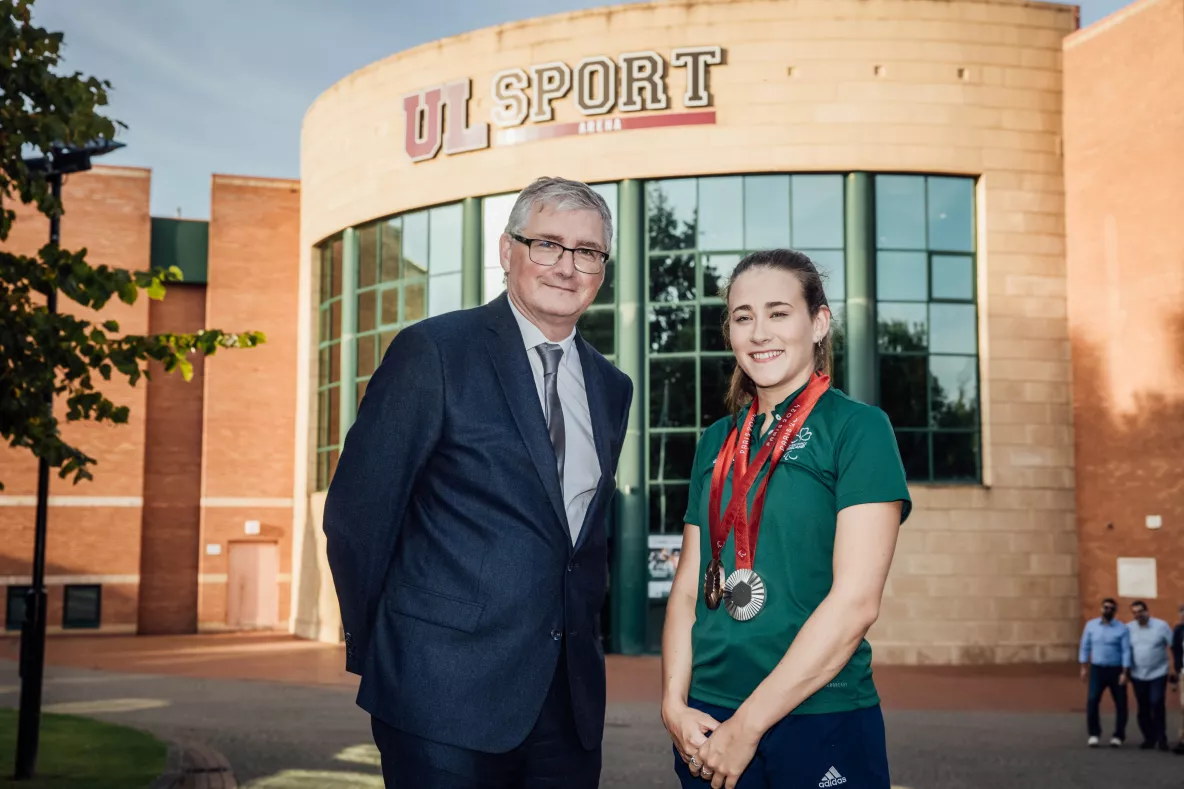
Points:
(1151, 661)
(1105, 656)
(465, 521)
(1178, 667)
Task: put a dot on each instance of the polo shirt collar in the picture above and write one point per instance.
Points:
(778, 410)
(532, 335)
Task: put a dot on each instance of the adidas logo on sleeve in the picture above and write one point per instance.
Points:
(832, 778)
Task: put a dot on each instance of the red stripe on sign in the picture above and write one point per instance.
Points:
(602, 126)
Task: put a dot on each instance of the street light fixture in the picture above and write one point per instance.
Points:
(61, 160)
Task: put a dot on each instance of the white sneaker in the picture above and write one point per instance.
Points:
(1093, 742)
(1115, 742)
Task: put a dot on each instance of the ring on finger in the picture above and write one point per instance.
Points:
(707, 772)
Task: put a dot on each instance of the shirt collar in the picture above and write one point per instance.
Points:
(778, 410)
(532, 335)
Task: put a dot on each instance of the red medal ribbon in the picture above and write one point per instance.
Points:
(737, 447)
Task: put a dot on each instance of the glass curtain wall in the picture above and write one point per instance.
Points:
(697, 230)
(408, 267)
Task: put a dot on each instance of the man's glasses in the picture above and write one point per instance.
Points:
(547, 253)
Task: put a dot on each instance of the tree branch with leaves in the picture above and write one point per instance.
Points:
(43, 110)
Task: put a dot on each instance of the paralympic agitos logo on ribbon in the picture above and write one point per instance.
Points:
(437, 118)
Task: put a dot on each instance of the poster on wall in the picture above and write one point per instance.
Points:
(664, 551)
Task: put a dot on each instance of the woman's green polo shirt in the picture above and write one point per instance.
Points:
(845, 454)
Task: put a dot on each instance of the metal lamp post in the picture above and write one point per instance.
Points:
(62, 160)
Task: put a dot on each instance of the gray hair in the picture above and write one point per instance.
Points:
(559, 194)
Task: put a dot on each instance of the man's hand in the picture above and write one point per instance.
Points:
(726, 755)
(688, 728)
(1122, 680)
(1084, 672)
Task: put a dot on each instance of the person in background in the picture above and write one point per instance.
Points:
(1177, 667)
(1151, 668)
(1105, 656)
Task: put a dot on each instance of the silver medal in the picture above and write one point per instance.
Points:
(744, 595)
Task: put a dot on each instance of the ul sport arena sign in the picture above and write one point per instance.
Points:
(437, 118)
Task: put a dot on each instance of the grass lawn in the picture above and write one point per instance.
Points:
(79, 753)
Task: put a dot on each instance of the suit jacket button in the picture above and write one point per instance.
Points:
(556, 635)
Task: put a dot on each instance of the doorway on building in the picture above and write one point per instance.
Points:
(253, 600)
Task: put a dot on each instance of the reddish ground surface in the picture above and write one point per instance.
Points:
(282, 658)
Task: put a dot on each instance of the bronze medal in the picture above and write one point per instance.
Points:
(713, 586)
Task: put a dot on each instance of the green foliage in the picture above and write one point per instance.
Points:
(42, 109)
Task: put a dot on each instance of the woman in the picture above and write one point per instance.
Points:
(767, 677)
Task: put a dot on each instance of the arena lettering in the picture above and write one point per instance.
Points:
(437, 119)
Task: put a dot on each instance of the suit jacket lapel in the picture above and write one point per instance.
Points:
(517, 381)
(601, 431)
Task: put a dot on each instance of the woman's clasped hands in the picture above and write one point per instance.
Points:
(720, 758)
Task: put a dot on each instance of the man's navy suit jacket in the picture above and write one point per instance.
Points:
(449, 543)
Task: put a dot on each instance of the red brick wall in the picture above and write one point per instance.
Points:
(172, 476)
(106, 211)
(1124, 166)
(250, 395)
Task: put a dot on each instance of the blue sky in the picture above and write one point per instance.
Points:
(222, 86)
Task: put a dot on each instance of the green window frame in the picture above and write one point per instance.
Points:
(328, 430)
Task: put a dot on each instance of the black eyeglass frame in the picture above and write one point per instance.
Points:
(530, 242)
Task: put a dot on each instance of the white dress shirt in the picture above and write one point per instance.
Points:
(581, 467)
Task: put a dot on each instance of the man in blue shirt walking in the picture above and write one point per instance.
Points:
(1151, 642)
(1105, 657)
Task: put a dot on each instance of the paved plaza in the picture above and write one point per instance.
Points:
(282, 712)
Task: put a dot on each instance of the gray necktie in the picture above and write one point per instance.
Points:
(551, 355)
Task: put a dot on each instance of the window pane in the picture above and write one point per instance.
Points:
(672, 329)
(495, 212)
(711, 332)
(608, 291)
(954, 456)
(15, 615)
(952, 329)
(326, 256)
(323, 367)
(832, 265)
(902, 276)
(444, 293)
(901, 328)
(672, 278)
(715, 375)
(902, 390)
(390, 306)
(671, 455)
(392, 234)
(413, 302)
(953, 391)
(900, 212)
(335, 286)
(668, 505)
(415, 244)
(334, 417)
(951, 217)
(322, 418)
(81, 606)
(361, 392)
(322, 470)
(323, 327)
(367, 354)
(914, 453)
(334, 362)
(384, 342)
(838, 341)
(367, 310)
(609, 193)
(599, 327)
(766, 212)
(491, 283)
(446, 238)
(670, 214)
(367, 255)
(953, 277)
(818, 211)
(721, 219)
(716, 270)
(334, 454)
(672, 393)
(335, 320)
